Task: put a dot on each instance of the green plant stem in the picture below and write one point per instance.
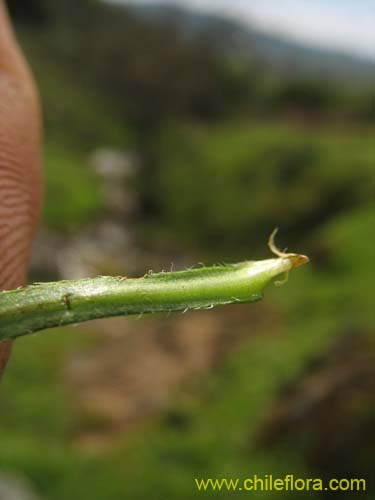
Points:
(40, 306)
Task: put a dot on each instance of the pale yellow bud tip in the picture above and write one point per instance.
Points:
(295, 259)
(298, 260)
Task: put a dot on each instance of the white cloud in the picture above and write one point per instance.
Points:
(332, 25)
(343, 24)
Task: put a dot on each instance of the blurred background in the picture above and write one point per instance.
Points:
(184, 133)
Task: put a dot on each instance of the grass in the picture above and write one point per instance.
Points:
(74, 117)
(72, 192)
(222, 190)
(302, 175)
(207, 185)
(216, 436)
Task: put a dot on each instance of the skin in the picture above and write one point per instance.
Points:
(20, 164)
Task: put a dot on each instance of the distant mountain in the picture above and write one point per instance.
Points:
(239, 40)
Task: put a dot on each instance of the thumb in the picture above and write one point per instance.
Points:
(20, 179)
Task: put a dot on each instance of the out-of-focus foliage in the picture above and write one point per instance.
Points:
(33, 12)
(307, 95)
(232, 182)
(72, 198)
(39, 13)
(148, 72)
(212, 432)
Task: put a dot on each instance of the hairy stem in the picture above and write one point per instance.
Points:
(47, 305)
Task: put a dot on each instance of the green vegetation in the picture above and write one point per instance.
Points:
(228, 150)
(215, 436)
(216, 433)
(41, 306)
(72, 192)
(304, 176)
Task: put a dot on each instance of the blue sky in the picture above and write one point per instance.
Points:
(348, 25)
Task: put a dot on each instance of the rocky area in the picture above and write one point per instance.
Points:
(15, 488)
